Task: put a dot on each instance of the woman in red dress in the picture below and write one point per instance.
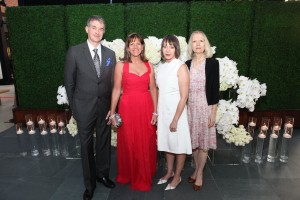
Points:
(136, 137)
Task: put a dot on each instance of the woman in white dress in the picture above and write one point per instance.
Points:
(173, 136)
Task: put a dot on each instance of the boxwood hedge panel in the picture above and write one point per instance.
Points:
(156, 19)
(38, 43)
(77, 16)
(275, 57)
(228, 27)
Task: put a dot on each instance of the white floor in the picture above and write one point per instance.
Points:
(7, 104)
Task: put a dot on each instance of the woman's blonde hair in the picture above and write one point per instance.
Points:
(207, 48)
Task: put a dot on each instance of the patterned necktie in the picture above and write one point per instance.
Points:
(97, 64)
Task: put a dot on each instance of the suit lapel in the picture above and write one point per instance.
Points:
(103, 61)
(88, 57)
(103, 56)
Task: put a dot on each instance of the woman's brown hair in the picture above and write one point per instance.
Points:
(130, 38)
(172, 40)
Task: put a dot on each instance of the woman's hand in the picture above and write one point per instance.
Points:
(154, 119)
(212, 121)
(173, 126)
(213, 116)
(113, 122)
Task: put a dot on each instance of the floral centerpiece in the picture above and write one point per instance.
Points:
(227, 120)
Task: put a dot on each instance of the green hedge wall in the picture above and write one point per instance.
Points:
(275, 57)
(262, 37)
(38, 42)
(156, 19)
(228, 27)
(77, 17)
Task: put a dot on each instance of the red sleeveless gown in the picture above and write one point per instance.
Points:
(136, 147)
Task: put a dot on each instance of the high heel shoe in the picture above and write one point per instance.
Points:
(197, 187)
(191, 180)
(170, 187)
(163, 181)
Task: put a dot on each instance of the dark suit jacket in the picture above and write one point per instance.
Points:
(84, 88)
(212, 85)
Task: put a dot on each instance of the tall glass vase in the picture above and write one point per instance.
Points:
(44, 138)
(277, 121)
(260, 140)
(54, 137)
(33, 140)
(248, 148)
(63, 141)
(22, 139)
(61, 122)
(287, 135)
(77, 147)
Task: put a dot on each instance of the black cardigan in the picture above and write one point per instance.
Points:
(212, 83)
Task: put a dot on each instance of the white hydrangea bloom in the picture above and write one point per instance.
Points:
(263, 89)
(152, 49)
(228, 73)
(227, 114)
(183, 48)
(72, 126)
(213, 49)
(62, 98)
(117, 46)
(249, 92)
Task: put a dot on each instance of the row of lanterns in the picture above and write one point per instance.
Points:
(274, 135)
(52, 139)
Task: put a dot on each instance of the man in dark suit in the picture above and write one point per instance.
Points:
(89, 70)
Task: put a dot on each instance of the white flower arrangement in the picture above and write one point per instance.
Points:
(72, 126)
(117, 46)
(249, 91)
(227, 114)
(183, 48)
(237, 135)
(228, 73)
(62, 98)
(152, 49)
(227, 118)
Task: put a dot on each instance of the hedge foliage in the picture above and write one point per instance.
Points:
(38, 42)
(262, 37)
(156, 19)
(275, 57)
(77, 15)
(228, 27)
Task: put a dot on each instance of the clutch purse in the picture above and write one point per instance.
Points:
(118, 119)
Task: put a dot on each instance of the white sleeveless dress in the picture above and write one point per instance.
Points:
(178, 142)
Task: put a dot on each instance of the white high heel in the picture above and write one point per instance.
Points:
(170, 187)
(163, 181)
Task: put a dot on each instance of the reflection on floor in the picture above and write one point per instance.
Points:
(56, 178)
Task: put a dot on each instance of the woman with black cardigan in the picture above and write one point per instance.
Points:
(202, 102)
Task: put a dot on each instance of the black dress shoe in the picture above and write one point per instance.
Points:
(87, 195)
(106, 182)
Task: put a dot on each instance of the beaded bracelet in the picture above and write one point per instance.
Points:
(155, 114)
(112, 116)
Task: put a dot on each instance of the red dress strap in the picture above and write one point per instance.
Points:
(126, 67)
(148, 66)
